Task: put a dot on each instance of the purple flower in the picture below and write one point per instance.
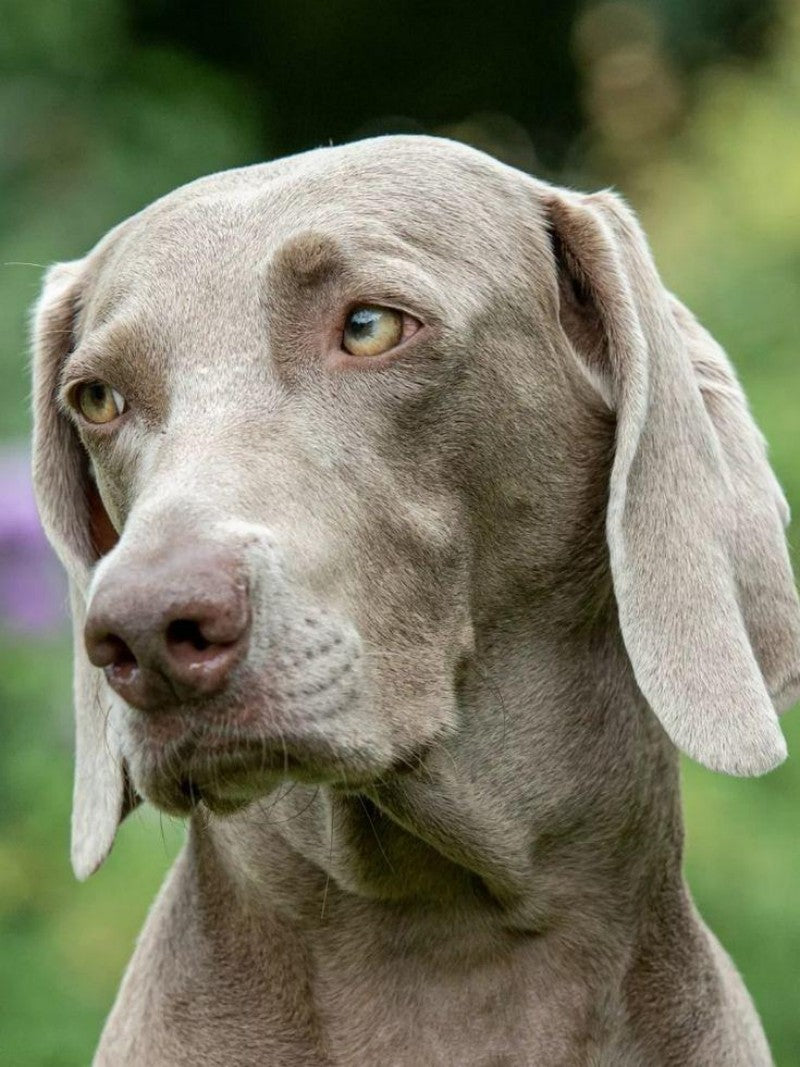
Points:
(32, 585)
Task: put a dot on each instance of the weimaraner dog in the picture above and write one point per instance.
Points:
(412, 528)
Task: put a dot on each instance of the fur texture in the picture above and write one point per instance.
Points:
(495, 575)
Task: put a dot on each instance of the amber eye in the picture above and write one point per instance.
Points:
(98, 402)
(370, 330)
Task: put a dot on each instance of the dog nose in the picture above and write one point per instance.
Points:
(171, 629)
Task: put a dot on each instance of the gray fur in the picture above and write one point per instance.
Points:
(495, 578)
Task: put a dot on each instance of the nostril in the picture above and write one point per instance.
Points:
(111, 652)
(182, 632)
(200, 653)
(191, 645)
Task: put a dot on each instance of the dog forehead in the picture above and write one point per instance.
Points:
(381, 178)
(442, 201)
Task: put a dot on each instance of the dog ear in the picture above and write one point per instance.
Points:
(707, 605)
(77, 525)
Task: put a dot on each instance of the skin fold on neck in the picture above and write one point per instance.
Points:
(535, 857)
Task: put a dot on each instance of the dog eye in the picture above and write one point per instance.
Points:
(98, 402)
(370, 330)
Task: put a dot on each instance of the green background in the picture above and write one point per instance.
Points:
(692, 110)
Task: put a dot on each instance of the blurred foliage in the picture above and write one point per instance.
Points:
(690, 109)
(721, 203)
(63, 946)
(312, 66)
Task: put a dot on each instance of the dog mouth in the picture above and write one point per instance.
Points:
(225, 771)
(226, 782)
(225, 754)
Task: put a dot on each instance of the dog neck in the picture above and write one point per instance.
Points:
(512, 893)
(554, 805)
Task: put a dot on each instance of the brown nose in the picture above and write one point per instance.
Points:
(169, 630)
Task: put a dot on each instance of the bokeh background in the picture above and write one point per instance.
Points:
(690, 107)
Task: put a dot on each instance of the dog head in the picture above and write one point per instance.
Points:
(302, 427)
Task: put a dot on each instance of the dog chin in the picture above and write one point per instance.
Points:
(226, 798)
(225, 774)
(224, 786)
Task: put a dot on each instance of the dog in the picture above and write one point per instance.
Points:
(412, 528)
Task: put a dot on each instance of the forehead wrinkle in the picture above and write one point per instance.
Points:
(305, 259)
(218, 229)
(362, 236)
(202, 249)
(437, 183)
(369, 265)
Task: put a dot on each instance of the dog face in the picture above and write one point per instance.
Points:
(302, 428)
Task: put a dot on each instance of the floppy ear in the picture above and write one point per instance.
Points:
(79, 529)
(707, 605)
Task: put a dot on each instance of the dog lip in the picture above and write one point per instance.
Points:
(226, 775)
(226, 772)
(202, 759)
